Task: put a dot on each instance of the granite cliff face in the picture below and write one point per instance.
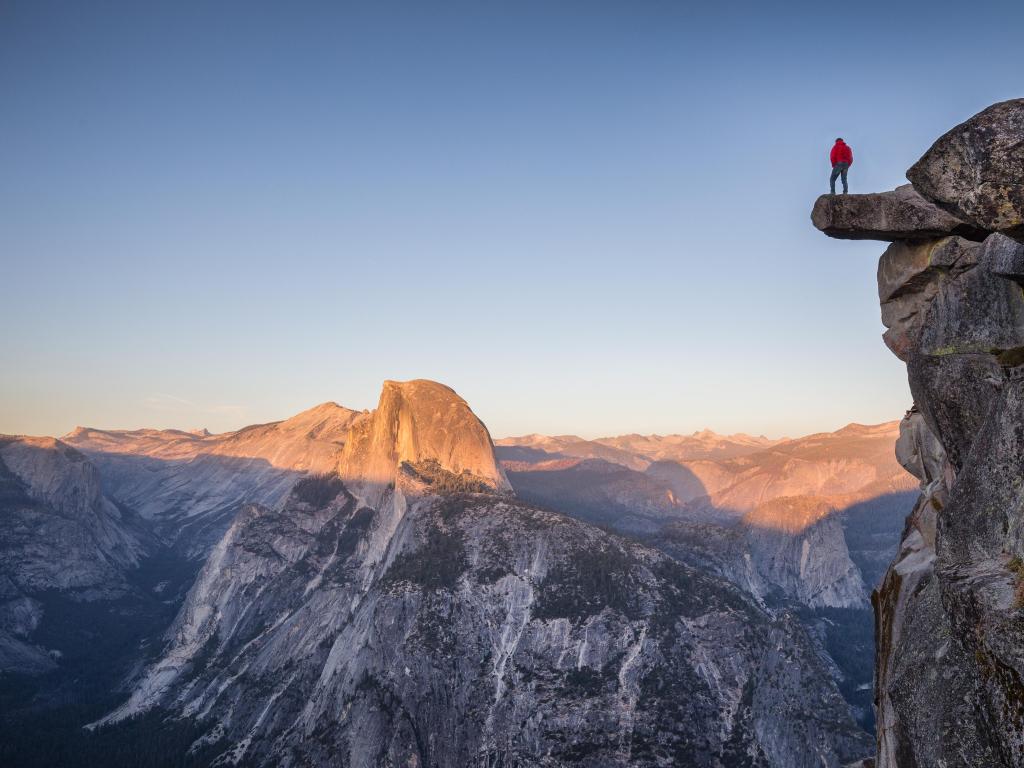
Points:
(416, 425)
(410, 611)
(950, 612)
(59, 534)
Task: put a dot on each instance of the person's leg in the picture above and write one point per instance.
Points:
(846, 187)
(833, 177)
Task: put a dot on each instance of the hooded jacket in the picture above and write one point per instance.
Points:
(841, 153)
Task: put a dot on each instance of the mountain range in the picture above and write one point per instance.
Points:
(387, 587)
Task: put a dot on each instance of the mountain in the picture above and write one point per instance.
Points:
(633, 451)
(807, 524)
(949, 613)
(854, 462)
(60, 536)
(700, 445)
(190, 485)
(420, 426)
(410, 611)
(531, 449)
(768, 518)
(601, 492)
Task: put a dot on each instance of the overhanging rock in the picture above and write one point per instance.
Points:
(901, 214)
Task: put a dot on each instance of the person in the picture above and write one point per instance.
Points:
(842, 158)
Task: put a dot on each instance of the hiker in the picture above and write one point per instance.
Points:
(842, 158)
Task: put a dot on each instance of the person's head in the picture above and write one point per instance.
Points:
(839, 140)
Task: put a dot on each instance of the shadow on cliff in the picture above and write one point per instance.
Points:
(668, 496)
(602, 492)
(871, 524)
(98, 640)
(191, 502)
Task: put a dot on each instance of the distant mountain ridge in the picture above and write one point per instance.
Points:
(638, 451)
(191, 485)
(853, 463)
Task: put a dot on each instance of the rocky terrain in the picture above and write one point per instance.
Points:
(411, 611)
(772, 516)
(60, 535)
(950, 612)
(807, 525)
(190, 485)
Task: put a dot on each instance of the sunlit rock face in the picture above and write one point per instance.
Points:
(443, 622)
(59, 534)
(192, 484)
(950, 656)
(796, 545)
(419, 423)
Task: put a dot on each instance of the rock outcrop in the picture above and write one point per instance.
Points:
(788, 551)
(796, 545)
(908, 279)
(976, 170)
(60, 532)
(418, 425)
(950, 612)
(901, 214)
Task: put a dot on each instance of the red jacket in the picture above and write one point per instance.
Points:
(841, 153)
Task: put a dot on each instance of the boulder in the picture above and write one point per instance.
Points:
(976, 170)
(900, 214)
(909, 274)
(1004, 256)
(978, 311)
(918, 450)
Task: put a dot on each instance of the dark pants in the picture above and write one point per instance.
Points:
(839, 169)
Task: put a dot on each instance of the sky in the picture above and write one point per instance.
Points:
(585, 217)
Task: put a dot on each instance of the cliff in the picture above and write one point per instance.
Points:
(60, 535)
(950, 611)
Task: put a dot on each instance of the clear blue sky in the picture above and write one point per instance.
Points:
(586, 217)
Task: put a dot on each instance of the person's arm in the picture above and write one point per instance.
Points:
(832, 155)
(849, 151)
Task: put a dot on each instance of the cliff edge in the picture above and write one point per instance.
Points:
(949, 666)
